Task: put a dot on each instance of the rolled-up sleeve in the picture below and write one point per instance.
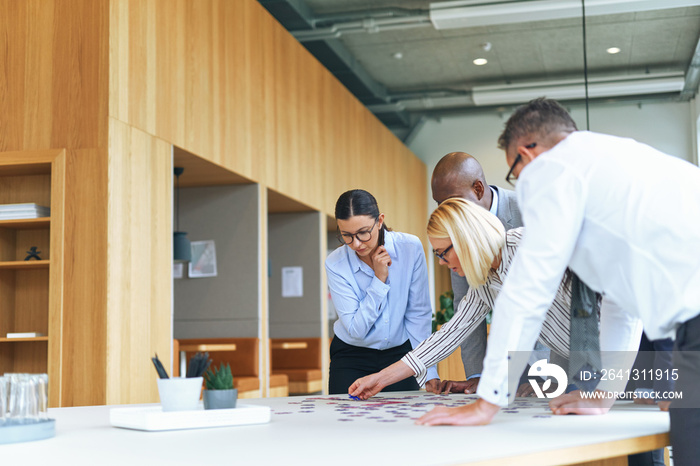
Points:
(438, 346)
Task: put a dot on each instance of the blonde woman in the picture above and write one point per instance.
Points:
(473, 243)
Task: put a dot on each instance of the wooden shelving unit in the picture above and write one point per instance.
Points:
(30, 291)
(25, 265)
(26, 224)
(19, 340)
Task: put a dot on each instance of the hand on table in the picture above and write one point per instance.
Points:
(574, 403)
(380, 263)
(367, 387)
(464, 386)
(526, 390)
(663, 404)
(474, 414)
(432, 386)
(453, 386)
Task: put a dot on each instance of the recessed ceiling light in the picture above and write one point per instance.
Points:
(398, 55)
(480, 61)
(613, 50)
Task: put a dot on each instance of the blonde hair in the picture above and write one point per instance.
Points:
(477, 236)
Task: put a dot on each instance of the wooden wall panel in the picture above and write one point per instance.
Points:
(232, 86)
(263, 309)
(54, 69)
(257, 97)
(139, 263)
(287, 118)
(57, 277)
(84, 324)
(170, 69)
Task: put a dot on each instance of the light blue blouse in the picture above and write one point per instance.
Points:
(377, 315)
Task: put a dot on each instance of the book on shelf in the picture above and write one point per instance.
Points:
(23, 211)
(22, 216)
(25, 334)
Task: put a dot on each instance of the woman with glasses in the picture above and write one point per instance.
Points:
(378, 281)
(473, 243)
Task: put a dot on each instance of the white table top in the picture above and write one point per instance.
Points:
(319, 430)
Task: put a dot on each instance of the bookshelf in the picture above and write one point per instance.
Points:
(30, 291)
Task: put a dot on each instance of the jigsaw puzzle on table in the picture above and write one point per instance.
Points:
(388, 407)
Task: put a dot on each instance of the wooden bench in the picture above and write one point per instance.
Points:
(300, 360)
(242, 354)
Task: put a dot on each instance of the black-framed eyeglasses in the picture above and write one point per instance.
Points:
(517, 160)
(362, 236)
(441, 255)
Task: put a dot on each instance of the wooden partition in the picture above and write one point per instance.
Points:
(117, 83)
(223, 80)
(295, 239)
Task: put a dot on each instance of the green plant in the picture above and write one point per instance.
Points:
(446, 311)
(220, 379)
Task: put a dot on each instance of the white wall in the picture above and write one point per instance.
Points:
(670, 127)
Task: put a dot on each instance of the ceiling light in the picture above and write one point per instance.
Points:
(480, 61)
(398, 55)
(613, 50)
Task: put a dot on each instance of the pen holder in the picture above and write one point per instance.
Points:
(180, 393)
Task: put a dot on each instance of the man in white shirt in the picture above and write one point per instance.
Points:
(624, 217)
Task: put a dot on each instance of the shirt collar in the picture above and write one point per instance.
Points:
(494, 201)
(357, 265)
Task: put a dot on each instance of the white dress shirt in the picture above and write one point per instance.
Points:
(494, 202)
(555, 331)
(624, 217)
(378, 315)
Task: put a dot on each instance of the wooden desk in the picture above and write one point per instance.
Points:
(310, 433)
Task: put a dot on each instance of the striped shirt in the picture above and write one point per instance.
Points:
(475, 306)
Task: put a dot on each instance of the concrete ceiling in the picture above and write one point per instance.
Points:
(398, 64)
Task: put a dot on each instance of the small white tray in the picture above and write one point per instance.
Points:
(154, 419)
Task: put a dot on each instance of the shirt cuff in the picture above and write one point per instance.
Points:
(474, 376)
(497, 395)
(432, 373)
(380, 286)
(417, 366)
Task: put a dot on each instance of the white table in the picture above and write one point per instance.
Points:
(85, 437)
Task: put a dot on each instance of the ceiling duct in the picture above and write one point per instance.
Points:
(574, 89)
(514, 94)
(471, 13)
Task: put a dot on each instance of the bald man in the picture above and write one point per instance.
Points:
(459, 174)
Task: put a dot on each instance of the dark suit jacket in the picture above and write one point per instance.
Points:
(474, 346)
